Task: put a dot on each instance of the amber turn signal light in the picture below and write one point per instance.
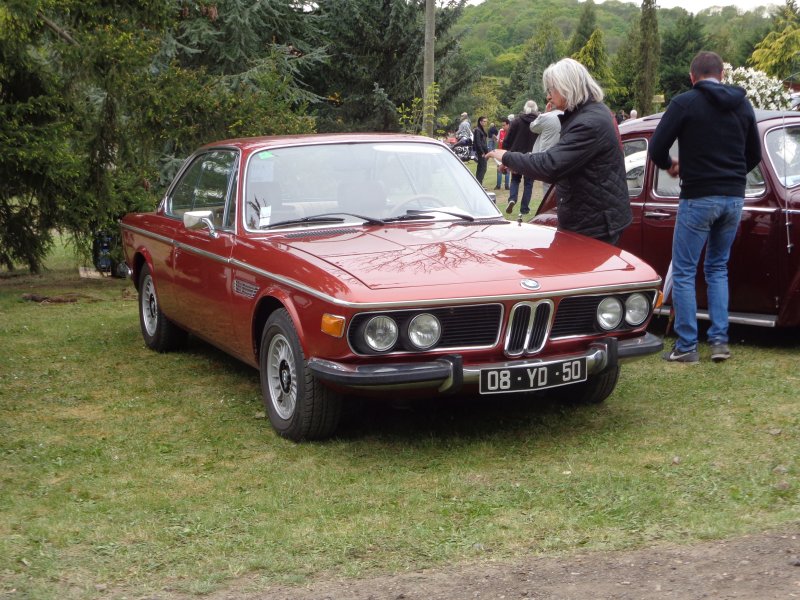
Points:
(333, 325)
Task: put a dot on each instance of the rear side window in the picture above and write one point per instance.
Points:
(635, 152)
(205, 185)
(667, 186)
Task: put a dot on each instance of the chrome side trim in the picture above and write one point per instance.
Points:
(739, 318)
(400, 303)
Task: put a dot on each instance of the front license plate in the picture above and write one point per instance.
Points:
(533, 377)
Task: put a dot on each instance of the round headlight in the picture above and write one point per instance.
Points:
(609, 313)
(380, 333)
(424, 331)
(637, 307)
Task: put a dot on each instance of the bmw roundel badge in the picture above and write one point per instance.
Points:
(530, 284)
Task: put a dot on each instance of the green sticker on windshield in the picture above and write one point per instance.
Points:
(264, 154)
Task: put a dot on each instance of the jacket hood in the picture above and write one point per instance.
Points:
(726, 97)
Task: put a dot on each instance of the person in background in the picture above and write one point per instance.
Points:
(464, 131)
(520, 138)
(634, 114)
(586, 165)
(501, 170)
(480, 145)
(719, 145)
(493, 136)
(547, 126)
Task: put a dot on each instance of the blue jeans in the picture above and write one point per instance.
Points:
(713, 220)
(527, 191)
(500, 178)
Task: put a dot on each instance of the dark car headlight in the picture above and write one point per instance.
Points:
(380, 333)
(609, 313)
(637, 308)
(424, 331)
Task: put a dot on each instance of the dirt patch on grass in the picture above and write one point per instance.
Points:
(764, 566)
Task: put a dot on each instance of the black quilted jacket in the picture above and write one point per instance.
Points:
(588, 169)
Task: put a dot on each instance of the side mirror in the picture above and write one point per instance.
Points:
(492, 196)
(198, 219)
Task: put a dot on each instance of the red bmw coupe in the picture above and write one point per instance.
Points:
(377, 265)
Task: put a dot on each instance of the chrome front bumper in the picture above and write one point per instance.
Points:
(447, 374)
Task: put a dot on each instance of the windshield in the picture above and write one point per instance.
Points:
(360, 182)
(783, 147)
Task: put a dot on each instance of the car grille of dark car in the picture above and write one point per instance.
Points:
(475, 326)
(527, 327)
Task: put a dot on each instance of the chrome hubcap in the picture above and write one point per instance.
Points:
(281, 377)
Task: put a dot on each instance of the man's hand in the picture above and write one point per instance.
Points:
(674, 168)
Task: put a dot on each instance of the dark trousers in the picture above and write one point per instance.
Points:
(481, 170)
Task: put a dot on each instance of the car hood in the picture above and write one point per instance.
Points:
(470, 255)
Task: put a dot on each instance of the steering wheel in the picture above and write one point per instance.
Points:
(422, 201)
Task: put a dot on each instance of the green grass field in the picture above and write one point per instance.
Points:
(129, 473)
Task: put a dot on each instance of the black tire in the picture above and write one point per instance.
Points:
(159, 333)
(592, 391)
(298, 406)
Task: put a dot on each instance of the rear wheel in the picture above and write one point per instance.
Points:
(298, 406)
(159, 333)
(592, 391)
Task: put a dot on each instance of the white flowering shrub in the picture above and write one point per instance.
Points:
(763, 91)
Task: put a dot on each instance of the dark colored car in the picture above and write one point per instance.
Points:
(377, 265)
(764, 270)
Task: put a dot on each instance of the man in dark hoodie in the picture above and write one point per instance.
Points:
(520, 138)
(718, 140)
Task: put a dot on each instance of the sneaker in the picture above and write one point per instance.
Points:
(683, 357)
(510, 207)
(497, 187)
(508, 188)
(720, 352)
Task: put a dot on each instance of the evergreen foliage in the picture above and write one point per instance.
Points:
(593, 56)
(778, 54)
(680, 43)
(649, 56)
(376, 61)
(542, 50)
(587, 25)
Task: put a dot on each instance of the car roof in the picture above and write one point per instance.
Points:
(650, 122)
(262, 142)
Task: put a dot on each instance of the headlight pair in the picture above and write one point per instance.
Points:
(611, 311)
(381, 333)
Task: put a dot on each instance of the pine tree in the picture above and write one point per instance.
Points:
(681, 43)
(587, 24)
(593, 56)
(625, 67)
(545, 48)
(778, 54)
(649, 56)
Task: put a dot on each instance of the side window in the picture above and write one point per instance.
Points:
(669, 187)
(204, 186)
(635, 152)
(666, 185)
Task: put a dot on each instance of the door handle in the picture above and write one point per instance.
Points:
(657, 215)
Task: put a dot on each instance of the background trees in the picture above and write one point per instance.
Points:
(100, 101)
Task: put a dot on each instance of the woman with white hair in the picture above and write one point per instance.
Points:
(586, 165)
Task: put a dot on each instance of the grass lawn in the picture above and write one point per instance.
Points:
(126, 472)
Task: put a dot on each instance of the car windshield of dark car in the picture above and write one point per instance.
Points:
(360, 182)
(783, 148)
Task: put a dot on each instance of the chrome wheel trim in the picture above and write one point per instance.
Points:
(149, 306)
(281, 377)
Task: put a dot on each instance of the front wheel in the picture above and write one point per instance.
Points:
(592, 391)
(298, 406)
(159, 333)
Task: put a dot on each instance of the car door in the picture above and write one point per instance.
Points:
(752, 277)
(201, 263)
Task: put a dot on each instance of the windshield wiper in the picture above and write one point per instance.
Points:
(409, 216)
(325, 218)
(457, 215)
